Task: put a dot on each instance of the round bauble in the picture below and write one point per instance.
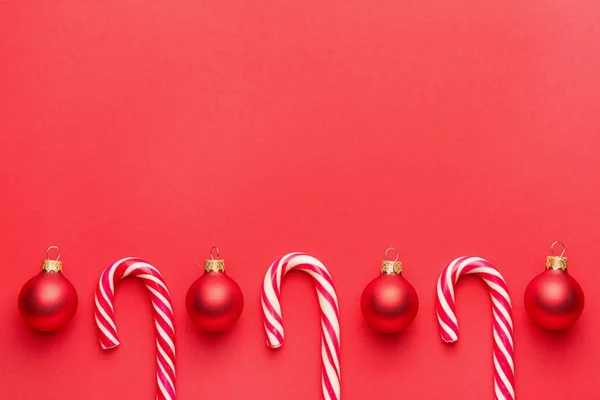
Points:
(389, 302)
(214, 301)
(48, 301)
(554, 299)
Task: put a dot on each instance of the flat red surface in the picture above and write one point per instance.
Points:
(160, 128)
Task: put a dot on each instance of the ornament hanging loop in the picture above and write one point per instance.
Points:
(214, 249)
(53, 248)
(387, 258)
(564, 248)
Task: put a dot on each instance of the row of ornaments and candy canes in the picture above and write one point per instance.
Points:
(553, 299)
(389, 304)
(48, 301)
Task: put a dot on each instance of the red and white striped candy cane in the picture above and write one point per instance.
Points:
(330, 314)
(163, 317)
(504, 369)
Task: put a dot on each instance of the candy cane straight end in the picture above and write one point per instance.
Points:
(274, 345)
(274, 338)
(110, 346)
(448, 339)
(443, 308)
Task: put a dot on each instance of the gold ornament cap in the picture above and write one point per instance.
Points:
(391, 266)
(214, 264)
(557, 262)
(49, 265)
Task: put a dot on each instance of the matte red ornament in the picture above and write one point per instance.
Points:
(214, 302)
(389, 303)
(48, 301)
(553, 299)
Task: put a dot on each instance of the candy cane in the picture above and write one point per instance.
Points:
(330, 338)
(163, 317)
(504, 370)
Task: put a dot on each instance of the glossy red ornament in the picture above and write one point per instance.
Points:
(214, 302)
(389, 303)
(553, 299)
(48, 301)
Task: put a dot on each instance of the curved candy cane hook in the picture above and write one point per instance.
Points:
(163, 317)
(504, 370)
(273, 321)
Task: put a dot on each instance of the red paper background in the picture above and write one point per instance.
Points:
(159, 128)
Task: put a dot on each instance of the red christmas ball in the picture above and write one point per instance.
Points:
(214, 302)
(554, 300)
(48, 301)
(389, 303)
